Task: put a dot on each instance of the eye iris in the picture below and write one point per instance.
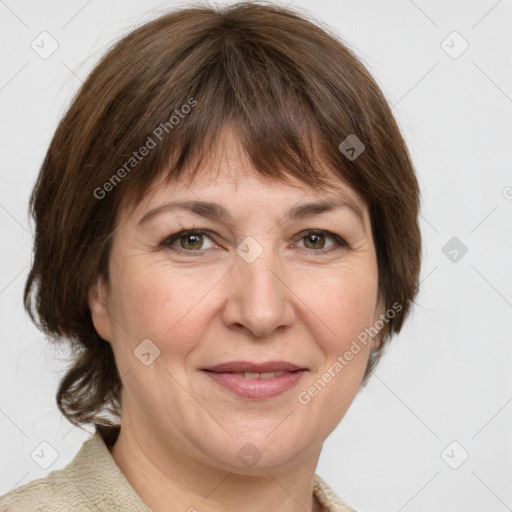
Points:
(314, 239)
(196, 241)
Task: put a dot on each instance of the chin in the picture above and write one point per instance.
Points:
(252, 449)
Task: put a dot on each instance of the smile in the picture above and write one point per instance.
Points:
(256, 381)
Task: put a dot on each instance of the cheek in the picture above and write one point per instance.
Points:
(156, 302)
(344, 304)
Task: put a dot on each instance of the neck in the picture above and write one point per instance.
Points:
(163, 477)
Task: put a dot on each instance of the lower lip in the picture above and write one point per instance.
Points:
(257, 388)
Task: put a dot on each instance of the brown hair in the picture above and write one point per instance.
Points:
(290, 87)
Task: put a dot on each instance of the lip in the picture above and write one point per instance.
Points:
(225, 375)
(245, 366)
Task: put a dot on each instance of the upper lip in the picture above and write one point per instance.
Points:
(244, 366)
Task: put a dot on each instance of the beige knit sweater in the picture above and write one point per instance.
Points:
(93, 482)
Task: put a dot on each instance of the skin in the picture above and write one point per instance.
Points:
(180, 431)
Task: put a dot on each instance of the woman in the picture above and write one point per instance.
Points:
(227, 235)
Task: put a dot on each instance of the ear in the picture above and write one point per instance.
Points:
(98, 305)
(376, 343)
(380, 309)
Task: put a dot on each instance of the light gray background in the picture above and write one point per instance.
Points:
(447, 376)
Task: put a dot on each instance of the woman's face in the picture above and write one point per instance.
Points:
(252, 287)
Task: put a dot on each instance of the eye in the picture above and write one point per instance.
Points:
(189, 241)
(315, 240)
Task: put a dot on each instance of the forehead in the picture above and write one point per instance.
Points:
(227, 173)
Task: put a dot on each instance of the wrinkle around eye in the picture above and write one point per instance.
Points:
(174, 241)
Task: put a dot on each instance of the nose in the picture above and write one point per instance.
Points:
(259, 299)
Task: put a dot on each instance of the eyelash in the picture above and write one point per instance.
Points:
(167, 243)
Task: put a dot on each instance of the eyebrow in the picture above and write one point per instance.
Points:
(215, 211)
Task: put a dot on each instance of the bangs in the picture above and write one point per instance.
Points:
(287, 122)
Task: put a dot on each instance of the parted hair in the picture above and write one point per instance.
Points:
(293, 90)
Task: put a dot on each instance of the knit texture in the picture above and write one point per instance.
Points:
(93, 482)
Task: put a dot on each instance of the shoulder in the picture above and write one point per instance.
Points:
(62, 489)
(73, 488)
(92, 481)
(53, 493)
(328, 498)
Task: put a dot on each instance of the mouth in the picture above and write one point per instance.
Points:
(256, 380)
